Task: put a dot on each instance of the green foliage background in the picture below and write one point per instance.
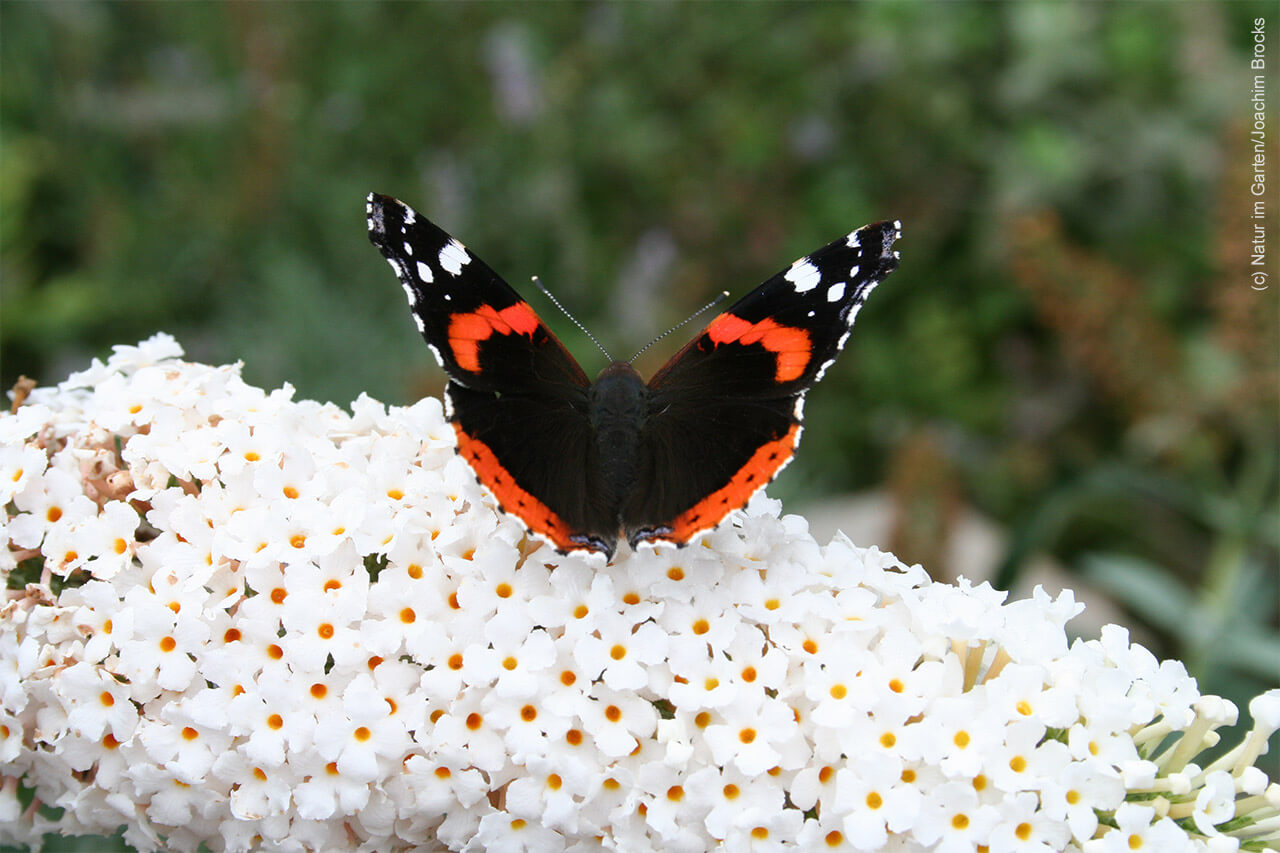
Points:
(1071, 344)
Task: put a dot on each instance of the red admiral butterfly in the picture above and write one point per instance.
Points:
(580, 462)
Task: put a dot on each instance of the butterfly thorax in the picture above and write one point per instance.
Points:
(617, 406)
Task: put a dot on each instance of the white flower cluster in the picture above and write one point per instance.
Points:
(243, 621)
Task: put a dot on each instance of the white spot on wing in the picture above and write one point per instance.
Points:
(853, 271)
(410, 216)
(803, 275)
(408, 291)
(434, 351)
(453, 257)
(853, 240)
(395, 265)
(835, 292)
(408, 247)
(424, 273)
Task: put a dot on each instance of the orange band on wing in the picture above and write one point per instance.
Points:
(466, 331)
(758, 471)
(791, 346)
(511, 498)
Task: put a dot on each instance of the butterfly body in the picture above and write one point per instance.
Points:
(584, 463)
(617, 409)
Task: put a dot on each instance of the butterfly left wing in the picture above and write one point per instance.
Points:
(725, 411)
(517, 399)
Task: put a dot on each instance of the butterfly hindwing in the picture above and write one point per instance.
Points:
(726, 449)
(727, 407)
(536, 456)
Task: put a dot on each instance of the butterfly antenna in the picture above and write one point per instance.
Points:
(581, 327)
(713, 303)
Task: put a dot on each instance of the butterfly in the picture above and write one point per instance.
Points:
(583, 463)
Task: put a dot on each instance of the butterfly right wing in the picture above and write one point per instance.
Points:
(517, 399)
(727, 407)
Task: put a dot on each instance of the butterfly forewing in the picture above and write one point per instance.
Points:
(795, 323)
(483, 334)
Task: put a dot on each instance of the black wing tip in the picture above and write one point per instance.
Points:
(886, 232)
(375, 206)
(386, 214)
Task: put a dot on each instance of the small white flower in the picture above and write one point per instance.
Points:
(433, 788)
(515, 665)
(701, 680)
(620, 652)
(161, 653)
(765, 829)
(874, 800)
(11, 740)
(615, 720)
(1021, 693)
(1024, 828)
(99, 617)
(501, 833)
(95, 702)
(19, 465)
(957, 734)
(752, 734)
(1095, 743)
(51, 503)
(325, 790)
(463, 733)
(1215, 804)
(181, 745)
(1078, 794)
(669, 811)
(1138, 828)
(256, 791)
(728, 796)
(1026, 759)
(272, 720)
(951, 817)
